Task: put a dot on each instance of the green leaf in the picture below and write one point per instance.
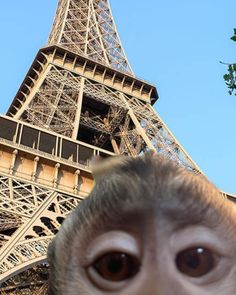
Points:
(230, 70)
(230, 76)
(233, 38)
(227, 77)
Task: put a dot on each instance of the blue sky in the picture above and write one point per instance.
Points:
(176, 45)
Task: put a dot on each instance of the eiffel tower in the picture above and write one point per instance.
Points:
(80, 98)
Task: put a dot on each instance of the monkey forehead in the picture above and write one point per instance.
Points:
(155, 185)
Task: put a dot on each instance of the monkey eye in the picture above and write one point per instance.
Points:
(196, 262)
(116, 267)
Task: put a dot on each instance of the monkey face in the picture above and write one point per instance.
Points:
(147, 228)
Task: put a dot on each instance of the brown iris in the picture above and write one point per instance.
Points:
(195, 262)
(116, 266)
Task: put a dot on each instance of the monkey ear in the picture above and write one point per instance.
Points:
(50, 251)
(51, 261)
(100, 166)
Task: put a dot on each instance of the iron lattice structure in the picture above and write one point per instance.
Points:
(79, 98)
(86, 27)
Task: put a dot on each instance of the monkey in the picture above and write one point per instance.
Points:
(149, 227)
(99, 166)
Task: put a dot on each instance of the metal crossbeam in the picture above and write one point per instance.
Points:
(87, 27)
(35, 213)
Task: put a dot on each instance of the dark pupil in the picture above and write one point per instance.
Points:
(195, 262)
(116, 266)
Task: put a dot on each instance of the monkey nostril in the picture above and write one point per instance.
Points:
(196, 262)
